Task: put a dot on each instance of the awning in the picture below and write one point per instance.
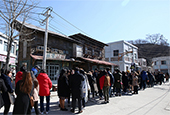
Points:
(37, 57)
(97, 61)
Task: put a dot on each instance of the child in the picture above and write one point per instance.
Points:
(35, 96)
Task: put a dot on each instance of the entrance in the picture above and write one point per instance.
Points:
(53, 72)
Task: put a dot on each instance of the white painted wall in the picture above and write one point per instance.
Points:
(122, 46)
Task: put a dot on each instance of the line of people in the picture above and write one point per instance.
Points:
(29, 85)
(104, 84)
(75, 84)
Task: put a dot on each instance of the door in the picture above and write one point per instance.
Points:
(53, 72)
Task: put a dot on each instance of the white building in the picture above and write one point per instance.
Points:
(161, 64)
(142, 64)
(3, 50)
(124, 51)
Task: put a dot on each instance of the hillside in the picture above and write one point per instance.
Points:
(149, 51)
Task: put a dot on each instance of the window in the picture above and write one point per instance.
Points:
(12, 49)
(135, 56)
(106, 59)
(155, 63)
(5, 46)
(0, 41)
(163, 62)
(115, 52)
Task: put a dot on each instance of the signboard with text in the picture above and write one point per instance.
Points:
(56, 56)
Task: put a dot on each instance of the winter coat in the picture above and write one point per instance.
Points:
(22, 101)
(18, 77)
(63, 86)
(85, 87)
(35, 94)
(3, 89)
(118, 80)
(8, 84)
(35, 71)
(112, 80)
(76, 84)
(144, 76)
(125, 80)
(91, 81)
(135, 81)
(45, 84)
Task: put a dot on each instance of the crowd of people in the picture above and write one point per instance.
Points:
(84, 86)
(73, 85)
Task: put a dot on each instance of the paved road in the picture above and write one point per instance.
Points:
(152, 101)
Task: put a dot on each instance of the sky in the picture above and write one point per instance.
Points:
(110, 20)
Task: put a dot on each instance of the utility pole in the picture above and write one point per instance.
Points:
(45, 38)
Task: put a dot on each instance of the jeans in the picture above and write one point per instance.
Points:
(42, 103)
(110, 90)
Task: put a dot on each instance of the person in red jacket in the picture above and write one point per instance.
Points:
(45, 85)
(19, 74)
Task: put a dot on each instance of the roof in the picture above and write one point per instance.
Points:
(97, 61)
(123, 41)
(30, 26)
(79, 35)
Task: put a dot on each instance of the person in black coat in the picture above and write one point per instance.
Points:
(125, 81)
(23, 90)
(63, 88)
(76, 84)
(91, 83)
(7, 79)
(3, 89)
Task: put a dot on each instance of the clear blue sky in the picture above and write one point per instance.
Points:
(112, 20)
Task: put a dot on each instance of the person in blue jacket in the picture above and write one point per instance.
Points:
(7, 79)
(35, 70)
(144, 78)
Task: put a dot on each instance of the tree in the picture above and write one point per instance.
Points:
(157, 39)
(10, 11)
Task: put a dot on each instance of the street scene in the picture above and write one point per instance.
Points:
(118, 63)
(147, 102)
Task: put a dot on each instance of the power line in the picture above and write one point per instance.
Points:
(69, 23)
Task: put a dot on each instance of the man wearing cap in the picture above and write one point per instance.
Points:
(35, 70)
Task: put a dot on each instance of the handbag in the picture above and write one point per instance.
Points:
(31, 101)
(11, 98)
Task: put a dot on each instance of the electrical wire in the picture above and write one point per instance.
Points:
(69, 23)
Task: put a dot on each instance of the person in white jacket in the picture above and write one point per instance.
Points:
(85, 87)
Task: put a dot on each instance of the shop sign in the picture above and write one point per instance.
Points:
(55, 56)
(3, 59)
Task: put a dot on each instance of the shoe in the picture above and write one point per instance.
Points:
(42, 113)
(116, 94)
(46, 112)
(80, 111)
(119, 94)
(72, 110)
(64, 109)
(107, 101)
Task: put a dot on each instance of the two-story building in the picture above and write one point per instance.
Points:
(91, 52)
(122, 53)
(4, 48)
(62, 51)
(161, 64)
